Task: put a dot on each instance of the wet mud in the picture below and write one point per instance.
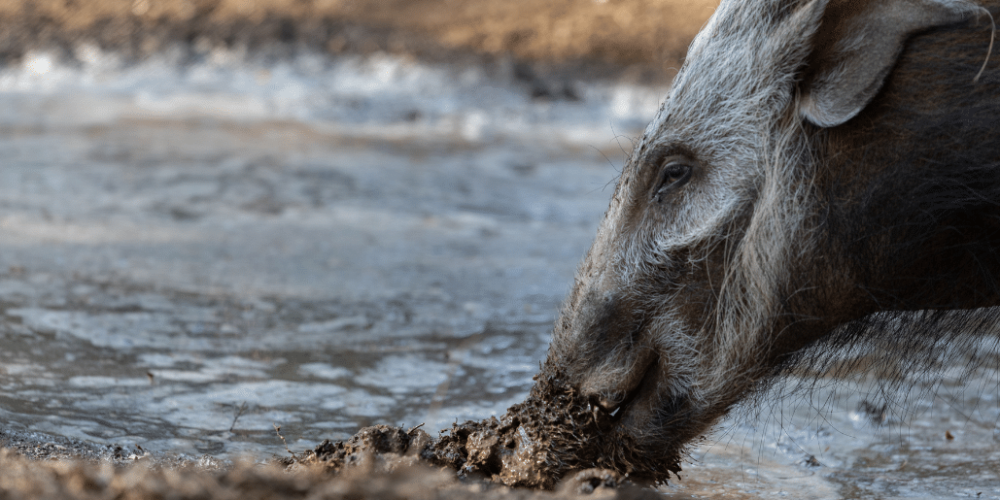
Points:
(536, 443)
(22, 478)
(554, 431)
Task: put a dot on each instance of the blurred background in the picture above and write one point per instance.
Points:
(221, 216)
(638, 35)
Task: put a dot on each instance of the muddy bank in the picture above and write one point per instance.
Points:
(640, 38)
(22, 478)
(551, 446)
(548, 447)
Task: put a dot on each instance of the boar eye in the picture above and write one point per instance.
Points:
(674, 173)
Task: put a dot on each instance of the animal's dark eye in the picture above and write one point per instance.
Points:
(674, 173)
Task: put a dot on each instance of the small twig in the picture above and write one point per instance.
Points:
(277, 430)
(239, 412)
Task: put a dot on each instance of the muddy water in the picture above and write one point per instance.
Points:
(193, 252)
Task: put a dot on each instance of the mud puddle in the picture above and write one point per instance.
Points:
(189, 255)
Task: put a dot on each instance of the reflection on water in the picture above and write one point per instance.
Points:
(191, 254)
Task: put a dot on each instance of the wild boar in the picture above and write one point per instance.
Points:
(822, 173)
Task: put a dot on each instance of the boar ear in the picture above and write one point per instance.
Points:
(855, 48)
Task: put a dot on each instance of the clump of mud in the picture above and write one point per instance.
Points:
(380, 447)
(555, 431)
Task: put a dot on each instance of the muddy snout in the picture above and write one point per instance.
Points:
(604, 351)
(625, 400)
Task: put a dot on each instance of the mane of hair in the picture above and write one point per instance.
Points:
(932, 137)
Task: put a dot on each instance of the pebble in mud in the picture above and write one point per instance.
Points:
(534, 444)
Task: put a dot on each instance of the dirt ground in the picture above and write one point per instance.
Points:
(21, 478)
(379, 462)
(644, 38)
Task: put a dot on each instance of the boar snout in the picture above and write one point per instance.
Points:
(604, 350)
